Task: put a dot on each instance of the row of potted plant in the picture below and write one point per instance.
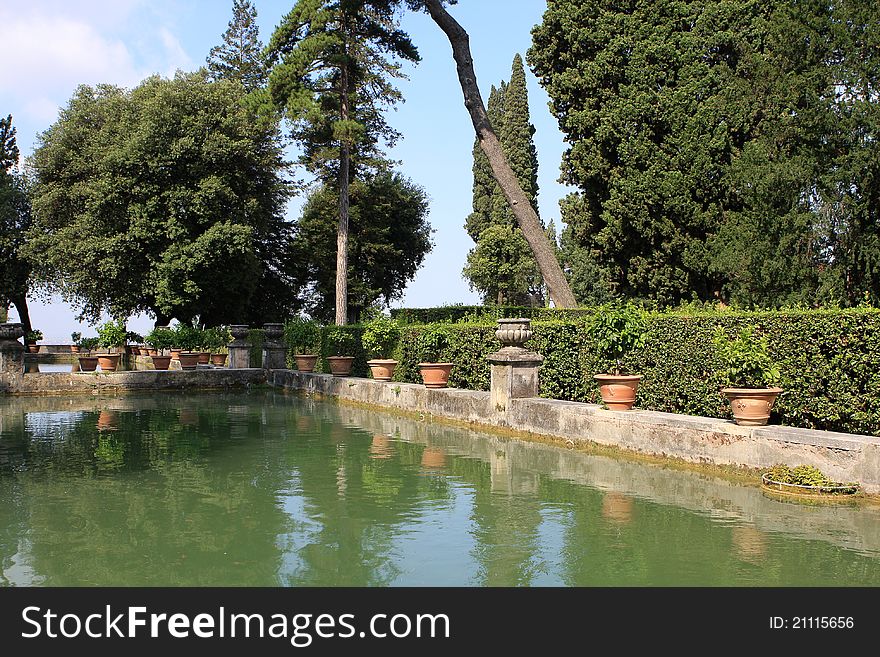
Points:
(378, 339)
(748, 376)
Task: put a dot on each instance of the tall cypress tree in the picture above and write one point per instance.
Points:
(501, 267)
(239, 57)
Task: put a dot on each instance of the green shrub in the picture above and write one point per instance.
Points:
(188, 338)
(160, 338)
(112, 334)
(379, 337)
(616, 331)
(802, 475)
(745, 361)
(340, 342)
(433, 343)
(470, 314)
(87, 344)
(216, 338)
(34, 335)
(302, 336)
(75, 337)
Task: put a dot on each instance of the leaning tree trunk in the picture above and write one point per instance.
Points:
(557, 285)
(24, 316)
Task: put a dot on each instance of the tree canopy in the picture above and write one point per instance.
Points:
(165, 199)
(389, 239)
(15, 219)
(240, 56)
(501, 266)
(721, 150)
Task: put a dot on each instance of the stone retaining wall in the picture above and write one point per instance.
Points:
(843, 457)
(100, 382)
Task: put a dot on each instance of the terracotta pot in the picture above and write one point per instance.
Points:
(188, 360)
(153, 352)
(175, 353)
(74, 349)
(340, 365)
(435, 375)
(161, 362)
(33, 348)
(305, 362)
(88, 363)
(382, 369)
(751, 406)
(108, 362)
(618, 391)
(218, 360)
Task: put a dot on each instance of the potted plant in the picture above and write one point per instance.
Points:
(187, 340)
(75, 337)
(379, 339)
(804, 480)
(87, 362)
(31, 339)
(216, 340)
(340, 343)
(431, 343)
(748, 375)
(304, 338)
(616, 331)
(111, 335)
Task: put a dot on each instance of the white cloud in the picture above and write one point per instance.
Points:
(58, 53)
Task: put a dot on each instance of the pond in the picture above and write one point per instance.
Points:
(267, 489)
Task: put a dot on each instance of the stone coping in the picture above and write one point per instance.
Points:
(843, 457)
(95, 382)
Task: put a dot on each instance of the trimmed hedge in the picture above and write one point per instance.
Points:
(479, 314)
(830, 362)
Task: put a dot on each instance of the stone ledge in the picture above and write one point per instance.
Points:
(843, 457)
(91, 382)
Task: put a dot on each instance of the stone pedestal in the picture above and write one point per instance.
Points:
(239, 348)
(11, 357)
(514, 369)
(274, 351)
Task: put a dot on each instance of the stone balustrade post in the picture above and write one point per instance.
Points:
(274, 351)
(514, 368)
(11, 357)
(239, 348)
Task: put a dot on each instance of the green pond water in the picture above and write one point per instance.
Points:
(262, 488)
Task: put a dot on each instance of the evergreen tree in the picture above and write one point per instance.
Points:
(505, 251)
(331, 64)
(239, 57)
(721, 150)
(15, 219)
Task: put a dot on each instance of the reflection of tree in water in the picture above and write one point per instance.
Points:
(155, 502)
(507, 516)
(360, 503)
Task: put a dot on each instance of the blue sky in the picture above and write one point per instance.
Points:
(59, 44)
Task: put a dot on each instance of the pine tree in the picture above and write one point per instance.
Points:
(240, 55)
(331, 64)
(517, 279)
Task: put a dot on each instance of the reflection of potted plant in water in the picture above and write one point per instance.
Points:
(616, 331)
(379, 339)
(304, 338)
(31, 339)
(341, 344)
(111, 335)
(431, 343)
(749, 375)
